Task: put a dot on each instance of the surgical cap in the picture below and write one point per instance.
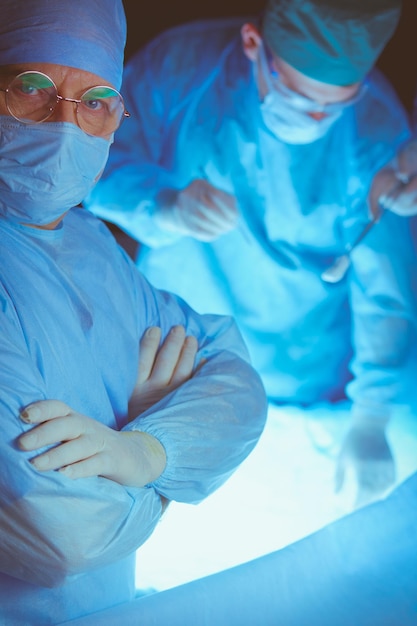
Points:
(86, 34)
(333, 41)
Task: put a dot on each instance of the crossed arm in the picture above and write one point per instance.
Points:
(83, 447)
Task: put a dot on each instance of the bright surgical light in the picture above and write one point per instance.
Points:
(281, 493)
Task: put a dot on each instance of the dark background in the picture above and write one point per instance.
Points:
(146, 20)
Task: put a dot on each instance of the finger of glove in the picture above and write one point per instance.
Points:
(226, 203)
(201, 191)
(148, 348)
(93, 466)
(201, 217)
(55, 431)
(83, 469)
(168, 356)
(217, 211)
(194, 217)
(67, 453)
(206, 237)
(207, 223)
(383, 182)
(44, 410)
(96, 465)
(406, 203)
(185, 365)
(118, 466)
(203, 198)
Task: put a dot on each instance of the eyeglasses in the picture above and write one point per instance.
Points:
(31, 98)
(297, 100)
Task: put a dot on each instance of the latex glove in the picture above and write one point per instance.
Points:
(366, 454)
(161, 369)
(84, 447)
(395, 186)
(200, 211)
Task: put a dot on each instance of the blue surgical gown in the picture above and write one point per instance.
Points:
(73, 308)
(195, 114)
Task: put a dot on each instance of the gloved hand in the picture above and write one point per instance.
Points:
(366, 453)
(161, 369)
(200, 211)
(84, 447)
(92, 449)
(396, 185)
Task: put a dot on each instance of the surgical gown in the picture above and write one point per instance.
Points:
(195, 114)
(73, 310)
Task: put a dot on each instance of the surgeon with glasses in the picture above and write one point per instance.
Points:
(115, 398)
(31, 97)
(244, 174)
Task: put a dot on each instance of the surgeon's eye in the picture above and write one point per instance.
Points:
(28, 89)
(100, 99)
(32, 85)
(93, 104)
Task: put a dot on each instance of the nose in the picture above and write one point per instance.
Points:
(317, 115)
(64, 112)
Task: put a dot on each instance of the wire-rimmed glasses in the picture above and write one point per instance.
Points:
(31, 98)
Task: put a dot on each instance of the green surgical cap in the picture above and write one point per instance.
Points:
(333, 41)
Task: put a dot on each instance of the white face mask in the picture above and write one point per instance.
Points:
(46, 169)
(290, 125)
(285, 112)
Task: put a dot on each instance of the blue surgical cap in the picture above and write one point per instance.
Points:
(86, 34)
(333, 41)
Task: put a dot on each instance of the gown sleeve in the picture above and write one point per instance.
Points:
(209, 425)
(52, 527)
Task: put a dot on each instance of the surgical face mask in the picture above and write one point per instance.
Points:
(286, 112)
(46, 169)
(290, 125)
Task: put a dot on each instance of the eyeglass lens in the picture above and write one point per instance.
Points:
(31, 97)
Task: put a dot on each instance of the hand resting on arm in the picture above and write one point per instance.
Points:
(84, 447)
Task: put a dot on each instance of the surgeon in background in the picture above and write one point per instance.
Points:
(99, 428)
(245, 174)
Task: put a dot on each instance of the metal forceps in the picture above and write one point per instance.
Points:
(336, 272)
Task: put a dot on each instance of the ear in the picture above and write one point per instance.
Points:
(251, 40)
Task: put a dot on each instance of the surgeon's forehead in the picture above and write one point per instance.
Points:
(56, 72)
(311, 87)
